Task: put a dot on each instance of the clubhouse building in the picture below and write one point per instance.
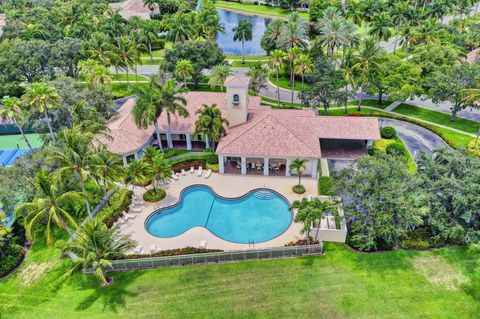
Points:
(259, 140)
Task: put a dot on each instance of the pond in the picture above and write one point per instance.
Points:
(230, 20)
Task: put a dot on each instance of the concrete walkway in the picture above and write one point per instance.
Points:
(392, 106)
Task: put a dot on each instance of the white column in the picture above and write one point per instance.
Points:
(244, 166)
(221, 164)
(265, 166)
(135, 155)
(325, 169)
(207, 142)
(287, 170)
(188, 138)
(125, 161)
(314, 168)
(169, 140)
(369, 143)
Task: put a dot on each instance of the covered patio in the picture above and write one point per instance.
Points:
(343, 148)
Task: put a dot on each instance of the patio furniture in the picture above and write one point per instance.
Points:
(253, 165)
(239, 166)
(276, 168)
(192, 170)
(203, 244)
(259, 167)
(208, 173)
(136, 210)
(138, 249)
(138, 202)
(153, 248)
(200, 171)
(183, 172)
(175, 177)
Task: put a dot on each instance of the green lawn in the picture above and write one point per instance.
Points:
(382, 145)
(284, 82)
(247, 57)
(10, 142)
(247, 64)
(132, 77)
(400, 53)
(437, 117)
(341, 284)
(257, 9)
(120, 90)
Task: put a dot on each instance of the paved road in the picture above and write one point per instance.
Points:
(416, 138)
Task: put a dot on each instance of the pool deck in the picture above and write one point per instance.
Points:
(224, 185)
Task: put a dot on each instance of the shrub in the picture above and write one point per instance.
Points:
(213, 167)
(474, 150)
(12, 255)
(119, 203)
(388, 132)
(159, 45)
(325, 185)
(172, 252)
(154, 196)
(415, 244)
(299, 189)
(396, 149)
(212, 159)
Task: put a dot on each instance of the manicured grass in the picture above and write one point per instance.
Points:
(372, 103)
(247, 57)
(248, 64)
(382, 146)
(10, 142)
(120, 90)
(463, 124)
(341, 284)
(399, 53)
(260, 10)
(131, 77)
(158, 54)
(284, 82)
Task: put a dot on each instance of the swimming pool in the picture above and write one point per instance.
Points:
(257, 216)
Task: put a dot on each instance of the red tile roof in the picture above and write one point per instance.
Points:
(472, 56)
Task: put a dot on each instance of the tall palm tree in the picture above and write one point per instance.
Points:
(48, 205)
(76, 156)
(272, 34)
(159, 171)
(172, 102)
(368, 60)
(127, 54)
(298, 165)
(381, 27)
(291, 56)
(276, 62)
(94, 73)
(11, 109)
(293, 35)
(209, 21)
(150, 33)
(349, 75)
(218, 75)
(303, 65)
(184, 70)
(107, 168)
(243, 32)
(398, 19)
(210, 123)
(146, 110)
(150, 154)
(98, 47)
(95, 246)
(428, 32)
(351, 37)
(41, 97)
(333, 35)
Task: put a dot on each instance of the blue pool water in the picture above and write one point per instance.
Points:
(259, 216)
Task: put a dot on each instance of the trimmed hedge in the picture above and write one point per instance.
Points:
(152, 196)
(325, 185)
(212, 159)
(474, 150)
(396, 149)
(172, 252)
(388, 132)
(119, 203)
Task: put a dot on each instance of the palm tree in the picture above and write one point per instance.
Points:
(181, 28)
(291, 56)
(243, 32)
(381, 27)
(107, 168)
(76, 156)
(349, 75)
(11, 109)
(333, 35)
(99, 48)
(368, 60)
(218, 75)
(272, 34)
(146, 110)
(135, 173)
(210, 123)
(150, 154)
(150, 32)
(310, 212)
(184, 70)
(429, 31)
(150, 4)
(303, 65)
(172, 102)
(47, 206)
(276, 62)
(298, 165)
(127, 52)
(94, 73)
(209, 21)
(95, 246)
(41, 97)
(293, 35)
(159, 171)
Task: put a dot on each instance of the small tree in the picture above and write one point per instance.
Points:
(95, 246)
(243, 32)
(159, 171)
(184, 70)
(298, 165)
(309, 212)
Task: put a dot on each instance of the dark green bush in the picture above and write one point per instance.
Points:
(119, 203)
(299, 189)
(154, 196)
(325, 185)
(396, 149)
(388, 132)
(12, 254)
(212, 159)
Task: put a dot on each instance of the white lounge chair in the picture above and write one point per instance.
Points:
(153, 248)
(309, 198)
(138, 202)
(183, 172)
(200, 171)
(208, 173)
(132, 216)
(138, 249)
(203, 244)
(175, 177)
(192, 170)
(135, 210)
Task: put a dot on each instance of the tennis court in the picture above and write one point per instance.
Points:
(14, 146)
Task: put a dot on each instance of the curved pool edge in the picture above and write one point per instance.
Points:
(180, 198)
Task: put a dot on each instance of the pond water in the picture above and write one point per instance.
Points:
(230, 20)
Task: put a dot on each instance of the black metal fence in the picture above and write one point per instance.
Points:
(212, 258)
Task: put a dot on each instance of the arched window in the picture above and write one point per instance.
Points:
(236, 98)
